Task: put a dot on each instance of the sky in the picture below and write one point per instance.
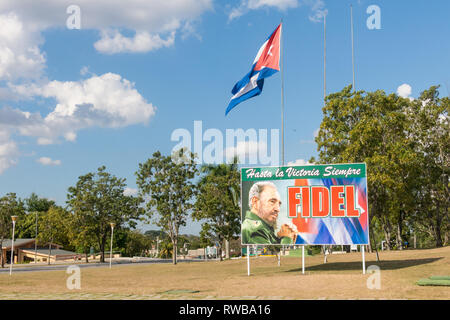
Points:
(91, 83)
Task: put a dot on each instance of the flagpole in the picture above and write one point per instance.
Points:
(282, 94)
(353, 51)
(324, 57)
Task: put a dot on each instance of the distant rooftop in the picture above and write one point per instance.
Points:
(6, 244)
(55, 252)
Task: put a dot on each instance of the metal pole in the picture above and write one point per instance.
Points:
(227, 249)
(282, 95)
(325, 66)
(110, 251)
(248, 260)
(35, 240)
(353, 52)
(415, 246)
(363, 258)
(157, 243)
(12, 244)
(303, 259)
(324, 57)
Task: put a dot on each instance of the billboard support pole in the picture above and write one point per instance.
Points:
(282, 96)
(303, 259)
(248, 260)
(363, 259)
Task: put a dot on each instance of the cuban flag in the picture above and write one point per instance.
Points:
(267, 62)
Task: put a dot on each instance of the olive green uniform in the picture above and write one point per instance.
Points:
(257, 231)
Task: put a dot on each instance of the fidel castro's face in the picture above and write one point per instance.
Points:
(267, 207)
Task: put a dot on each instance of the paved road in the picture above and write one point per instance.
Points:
(54, 267)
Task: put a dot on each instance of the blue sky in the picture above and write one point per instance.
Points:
(137, 71)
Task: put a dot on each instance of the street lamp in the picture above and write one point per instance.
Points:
(35, 240)
(157, 246)
(185, 247)
(14, 218)
(110, 251)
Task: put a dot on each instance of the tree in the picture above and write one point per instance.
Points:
(53, 227)
(166, 181)
(218, 203)
(206, 236)
(34, 203)
(192, 241)
(154, 234)
(35, 206)
(82, 232)
(385, 131)
(9, 206)
(430, 128)
(97, 200)
(136, 243)
(166, 249)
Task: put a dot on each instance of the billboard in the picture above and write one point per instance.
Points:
(314, 204)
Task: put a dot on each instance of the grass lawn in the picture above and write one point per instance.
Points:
(340, 278)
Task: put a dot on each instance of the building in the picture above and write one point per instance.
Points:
(24, 251)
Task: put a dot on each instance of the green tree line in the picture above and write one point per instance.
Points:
(404, 142)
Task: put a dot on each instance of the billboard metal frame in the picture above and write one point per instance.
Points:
(276, 169)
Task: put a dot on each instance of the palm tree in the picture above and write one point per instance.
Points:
(218, 202)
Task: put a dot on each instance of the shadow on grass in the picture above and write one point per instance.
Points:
(357, 265)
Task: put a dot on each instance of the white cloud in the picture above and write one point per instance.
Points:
(237, 12)
(154, 15)
(246, 150)
(149, 20)
(247, 5)
(107, 100)
(130, 191)
(312, 141)
(46, 161)
(299, 162)
(99, 101)
(114, 42)
(317, 7)
(45, 141)
(279, 4)
(190, 30)
(20, 56)
(84, 71)
(404, 90)
(318, 11)
(316, 132)
(8, 151)
(70, 136)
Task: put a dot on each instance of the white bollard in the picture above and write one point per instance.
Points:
(248, 260)
(363, 259)
(303, 259)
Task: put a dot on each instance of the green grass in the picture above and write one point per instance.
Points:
(298, 253)
(440, 277)
(435, 281)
